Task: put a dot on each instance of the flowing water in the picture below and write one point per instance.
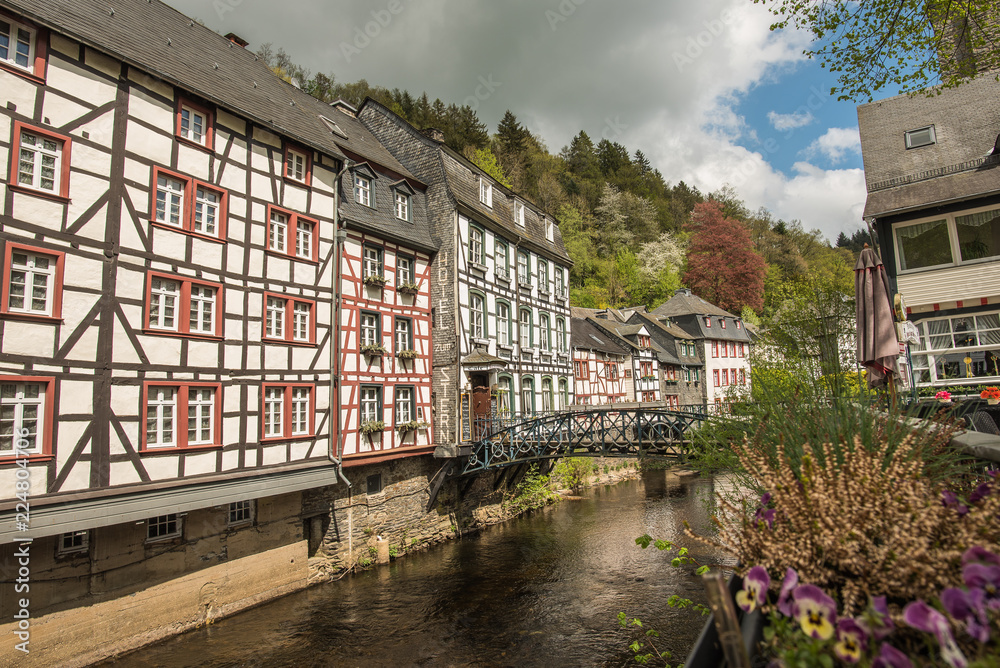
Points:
(541, 590)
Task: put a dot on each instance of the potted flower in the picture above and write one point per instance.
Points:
(944, 396)
(408, 288)
(373, 350)
(991, 395)
(370, 427)
(412, 425)
(375, 280)
(407, 354)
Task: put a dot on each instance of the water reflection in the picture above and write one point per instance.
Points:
(543, 590)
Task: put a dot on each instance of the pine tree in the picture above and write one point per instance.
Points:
(511, 135)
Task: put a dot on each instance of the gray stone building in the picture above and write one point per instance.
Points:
(682, 371)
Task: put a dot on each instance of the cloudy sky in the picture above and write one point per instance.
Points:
(702, 88)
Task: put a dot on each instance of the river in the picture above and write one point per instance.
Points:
(541, 590)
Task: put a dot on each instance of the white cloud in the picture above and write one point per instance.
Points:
(835, 144)
(782, 122)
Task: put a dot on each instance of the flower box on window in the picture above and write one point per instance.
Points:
(412, 425)
(650, 378)
(372, 427)
(407, 354)
(408, 288)
(373, 350)
(375, 280)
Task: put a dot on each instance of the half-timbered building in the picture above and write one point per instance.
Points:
(681, 368)
(599, 365)
(644, 357)
(500, 290)
(166, 328)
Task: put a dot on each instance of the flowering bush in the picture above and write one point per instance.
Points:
(990, 393)
(943, 395)
(805, 629)
(372, 427)
(407, 354)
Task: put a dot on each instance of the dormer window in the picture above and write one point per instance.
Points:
(298, 165)
(708, 321)
(194, 123)
(332, 125)
(550, 229)
(402, 198)
(362, 190)
(738, 326)
(17, 44)
(485, 192)
(920, 137)
(722, 321)
(519, 213)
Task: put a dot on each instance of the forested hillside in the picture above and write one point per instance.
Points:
(631, 235)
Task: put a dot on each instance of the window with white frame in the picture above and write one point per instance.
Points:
(544, 332)
(523, 269)
(402, 205)
(297, 165)
(167, 406)
(304, 240)
(301, 320)
(561, 335)
(194, 124)
(404, 405)
(22, 413)
(477, 316)
(163, 527)
(560, 282)
(206, 211)
(550, 229)
(371, 261)
(72, 542)
(274, 319)
(404, 270)
(526, 325)
(920, 137)
(519, 213)
(503, 324)
(505, 397)
(958, 349)
(500, 259)
(371, 400)
(546, 395)
(370, 329)
(288, 410)
(183, 306)
(476, 245)
(32, 283)
(543, 276)
(362, 190)
(952, 240)
(527, 396)
(17, 44)
(404, 334)
(291, 234)
(563, 394)
(485, 192)
(169, 200)
(40, 161)
(289, 319)
(240, 512)
(274, 412)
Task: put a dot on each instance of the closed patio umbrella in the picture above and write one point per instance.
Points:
(877, 343)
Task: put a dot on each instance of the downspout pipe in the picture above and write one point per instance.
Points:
(335, 452)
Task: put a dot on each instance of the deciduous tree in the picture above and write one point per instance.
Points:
(722, 265)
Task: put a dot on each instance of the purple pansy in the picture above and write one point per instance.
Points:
(890, 657)
(967, 606)
(754, 591)
(765, 499)
(985, 577)
(852, 640)
(981, 555)
(950, 500)
(766, 516)
(785, 604)
(923, 617)
(980, 493)
(815, 611)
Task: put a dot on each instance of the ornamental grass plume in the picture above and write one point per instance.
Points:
(857, 521)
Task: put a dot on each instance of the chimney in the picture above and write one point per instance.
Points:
(683, 292)
(965, 40)
(434, 133)
(236, 39)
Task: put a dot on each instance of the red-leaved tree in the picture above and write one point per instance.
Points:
(722, 266)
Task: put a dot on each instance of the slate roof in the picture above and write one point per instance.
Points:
(585, 335)
(414, 233)
(462, 182)
(601, 313)
(663, 327)
(960, 165)
(164, 43)
(684, 302)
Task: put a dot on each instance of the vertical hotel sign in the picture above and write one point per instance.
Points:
(466, 417)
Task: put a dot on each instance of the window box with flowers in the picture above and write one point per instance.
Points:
(372, 427)
(376, 281)
(407, 354)
(412, 425)
(649, 378)
(408, 288)
(373, 350)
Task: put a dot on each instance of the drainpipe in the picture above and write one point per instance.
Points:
(336, 452)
